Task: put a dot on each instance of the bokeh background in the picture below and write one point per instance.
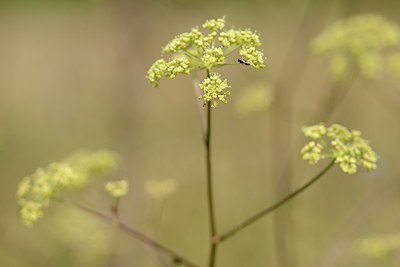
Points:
(72, 76)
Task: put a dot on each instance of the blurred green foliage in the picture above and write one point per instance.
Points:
(72, 76)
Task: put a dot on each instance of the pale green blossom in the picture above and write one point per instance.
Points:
(215, 25)
(315, 132)
(195, 51)
(253, 56)
(214, 89)
(31, 211)
(51, 183)
(156, 72)
(182, 41)
(239, 38)
(213, 57)
(358, 44)
(347, 148)
(117, 189)
(312, 152)
(177, 66)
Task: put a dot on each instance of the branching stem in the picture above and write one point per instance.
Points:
(136, 234)
(271, 208)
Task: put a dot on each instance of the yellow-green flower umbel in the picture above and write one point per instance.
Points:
(358, 44)
(35, 192)
(195, 51)
(347, 148)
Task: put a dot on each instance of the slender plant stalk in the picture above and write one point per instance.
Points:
(210, 196)
(115, 208)
(273, 207)
(137, 235)
(200, 107)
(285, 85)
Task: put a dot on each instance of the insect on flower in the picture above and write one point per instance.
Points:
(244, 62)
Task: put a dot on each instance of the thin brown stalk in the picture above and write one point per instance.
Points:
(275, 206)
(136, 234)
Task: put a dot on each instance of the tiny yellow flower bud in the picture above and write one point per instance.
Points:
(117, 189)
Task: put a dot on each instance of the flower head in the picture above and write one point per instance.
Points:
(215, 25)
(182, 41)
(214, 89)
(253, 56)
(213, 56)
(239, 38)
(156, 72)
(194, 51)
(347, 148)
(177, 66)
(357, 43)
(35, 192)
(117, 189)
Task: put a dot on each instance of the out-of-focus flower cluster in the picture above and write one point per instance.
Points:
(347, 148)
(362, 43)
(378, 247)
(255, 97)
(35, 192)
(117, 189)
(161, 189)
(195, 50)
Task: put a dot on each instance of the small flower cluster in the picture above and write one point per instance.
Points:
(214, 88)
(117, 189)
(212, 57)
(358, 43)
(239, 38)
(347, 148)
(36, 191)
(196, 50)
(253, 56)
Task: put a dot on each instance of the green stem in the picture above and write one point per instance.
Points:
(271, 208)
(114, 208)
(136, 234)
(211, 211)
(200, 107)
(231, 49)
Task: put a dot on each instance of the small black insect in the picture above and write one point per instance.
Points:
(244, 62)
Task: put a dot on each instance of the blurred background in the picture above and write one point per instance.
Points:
(72, 76)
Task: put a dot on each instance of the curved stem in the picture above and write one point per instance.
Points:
(137, 235)
(271, 208)
(210, 197)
